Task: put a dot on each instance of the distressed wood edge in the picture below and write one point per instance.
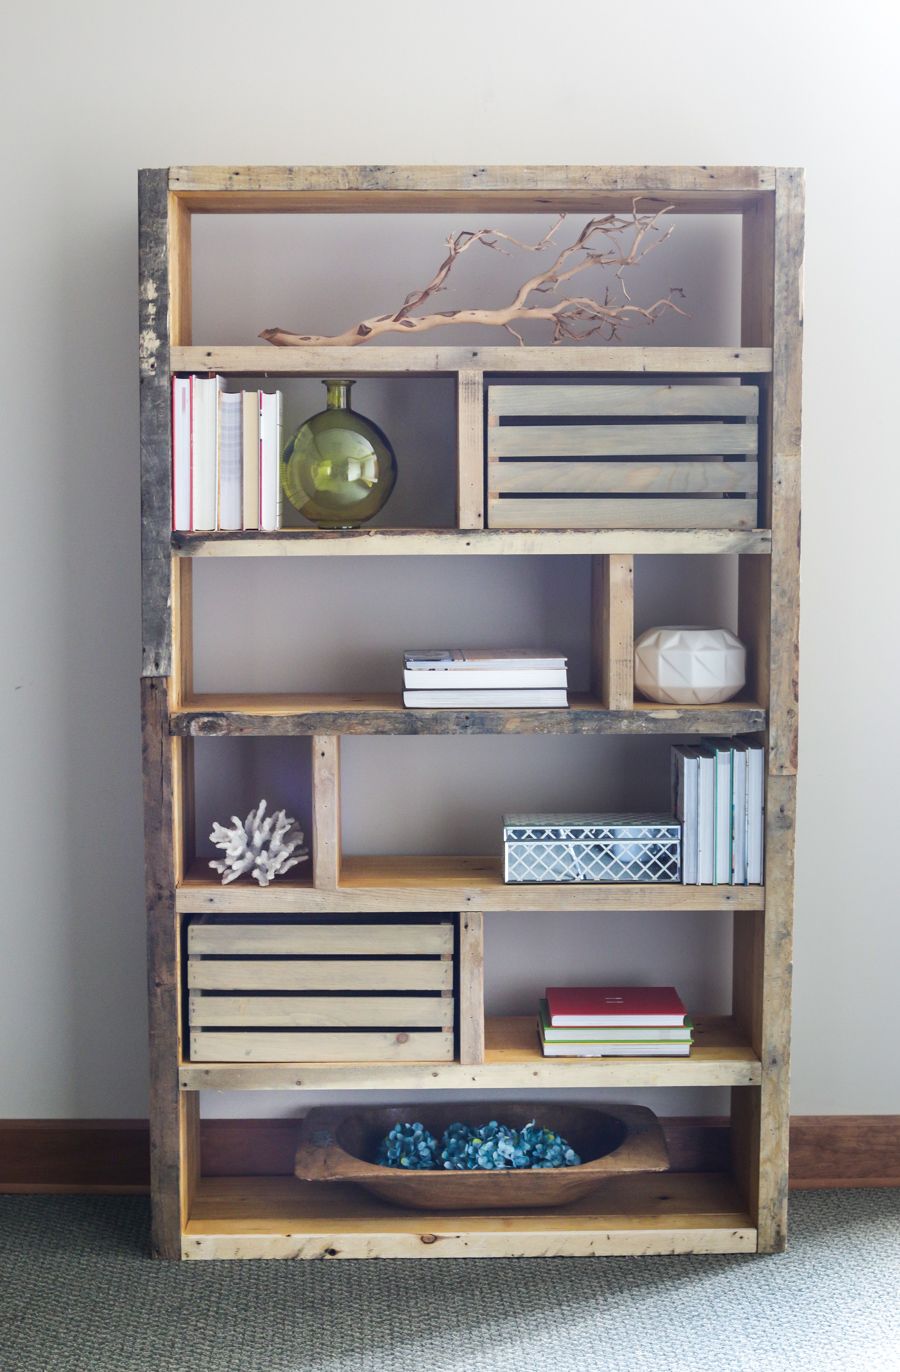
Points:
(111, 1157)
(470, 998)
(155, 422)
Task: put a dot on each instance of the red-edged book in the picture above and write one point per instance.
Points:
(625, 1006)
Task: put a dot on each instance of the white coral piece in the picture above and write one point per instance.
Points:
(263, 847)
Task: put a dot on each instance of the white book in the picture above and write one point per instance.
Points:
(250, 459)
(615, 1050)
(181, 453)
(230, 460)
(485, 700)
(755, 813)
(438, 680)
(739, 813)
(722, 844)
(483, 660)
(706, 817)
(685, 804)
(204, 428)
(270, 424)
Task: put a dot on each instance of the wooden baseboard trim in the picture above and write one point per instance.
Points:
(111, 1157)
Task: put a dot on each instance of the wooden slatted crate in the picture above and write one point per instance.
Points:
(310, 991)
(643, 456)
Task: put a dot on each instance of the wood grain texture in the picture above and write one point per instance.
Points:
(318, 974)
(385, 360)
(302, 1047)
(322, 1012)
(611, 400)
(471, 987)
(260, 716)
(320, 940)
(512, 1061)
(786, 417)
(156, 494)
(601, 512)
(389, 885)
(470, 449)
(326, 802)
(621, 478)
(612, 630)
(622, 440)
(644, 1213)
(470, 543)
(169, 1111)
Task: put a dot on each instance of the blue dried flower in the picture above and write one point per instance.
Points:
(493, 1147)
(407, 1145)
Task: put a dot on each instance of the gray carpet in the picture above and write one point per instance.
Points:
(78, 1294)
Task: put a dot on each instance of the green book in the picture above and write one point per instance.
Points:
(591, 1034)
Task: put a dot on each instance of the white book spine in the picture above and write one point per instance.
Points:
(181, 453)
(723, 815)
(484, 681)
(204, 430)
(270, 424)
(739, 815)
(230, 460)
(706, 820)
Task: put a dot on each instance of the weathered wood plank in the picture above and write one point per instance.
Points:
(612, 630)
(622, 440)
(218, 716)
(311, 1046)
(435, 885)
(156, 492)
(326, 802)
(319, 974)
(470, 450)
(471, 987)
(557, 512)
(646, 477)
(619, 401)
(386, 360)
(171, 1136)
(471, 543)
(319, 940)
(786, 418)
(321, 1012)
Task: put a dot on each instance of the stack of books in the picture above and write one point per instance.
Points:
(718, 794)
(614, 1021)
(226, 455)
(484, 679)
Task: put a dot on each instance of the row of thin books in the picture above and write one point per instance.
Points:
(484, 679)
(226, 456)
(718, 794)
(614, 1021)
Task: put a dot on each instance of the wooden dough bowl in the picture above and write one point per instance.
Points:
(338, 1144)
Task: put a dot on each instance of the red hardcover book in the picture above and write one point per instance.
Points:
(632, 1006)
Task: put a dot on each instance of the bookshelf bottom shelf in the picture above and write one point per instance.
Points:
(281, 1217)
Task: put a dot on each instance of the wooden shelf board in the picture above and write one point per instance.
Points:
(281, 1217)
(513, 1061)
(214, 716)
(469, 542)
(388, 360)
(444, 884)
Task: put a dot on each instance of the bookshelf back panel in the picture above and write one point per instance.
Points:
(322, 273)
(342, 625)
(232, 775)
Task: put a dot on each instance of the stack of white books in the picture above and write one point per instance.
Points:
(718, 793)
(484, 679)
(226, 454)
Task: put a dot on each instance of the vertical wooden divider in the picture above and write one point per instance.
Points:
(471, 987)
(470, 450)
(326, 811)
(612, 630)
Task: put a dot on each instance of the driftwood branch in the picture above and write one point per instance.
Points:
(612, 241)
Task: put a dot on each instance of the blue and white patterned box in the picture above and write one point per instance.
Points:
(591, 848)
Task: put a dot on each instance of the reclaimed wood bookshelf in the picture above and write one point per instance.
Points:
(741, 1210)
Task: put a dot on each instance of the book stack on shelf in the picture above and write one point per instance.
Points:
(226, 453)
(485, 679)
(719, 796)
(614, 1021)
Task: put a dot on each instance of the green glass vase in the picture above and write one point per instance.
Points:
(339, 469)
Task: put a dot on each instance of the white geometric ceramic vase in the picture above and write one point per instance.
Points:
(680, 665)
